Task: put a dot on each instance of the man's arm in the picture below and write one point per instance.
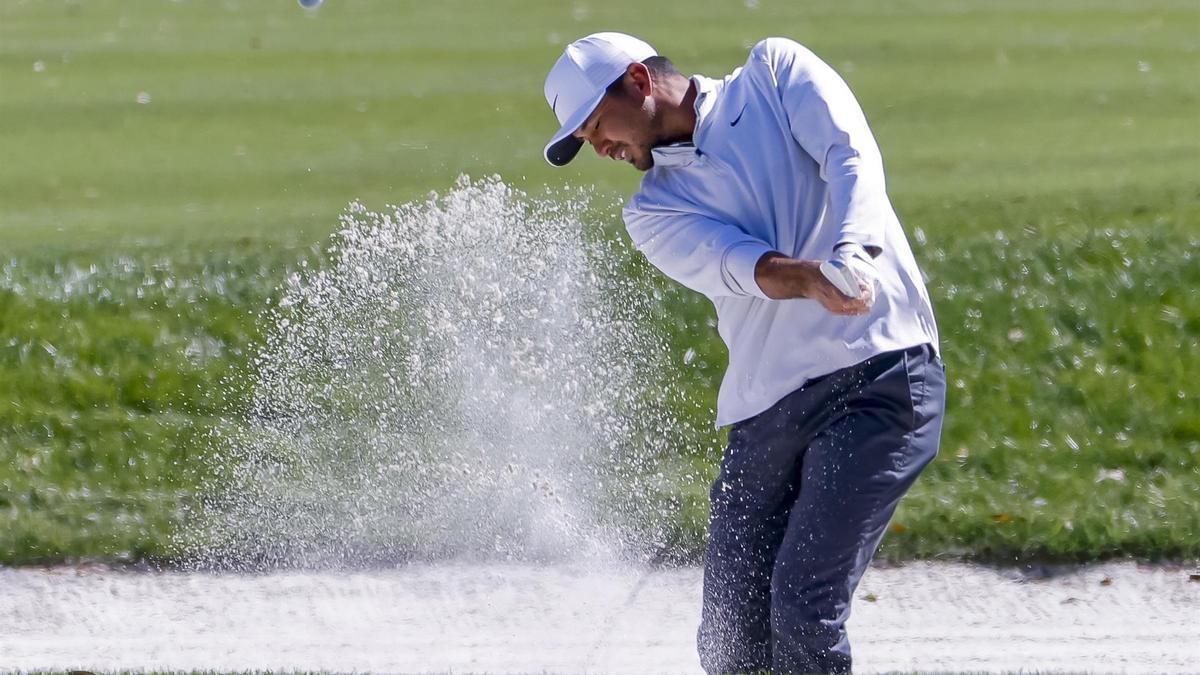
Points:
(783, 278)
(828, 123)
(718, 259)
(711, 257)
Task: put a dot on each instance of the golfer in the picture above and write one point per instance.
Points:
(834, 389)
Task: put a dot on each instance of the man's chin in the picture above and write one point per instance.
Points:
(643, 163)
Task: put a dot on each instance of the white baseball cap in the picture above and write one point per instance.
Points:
(578, 81)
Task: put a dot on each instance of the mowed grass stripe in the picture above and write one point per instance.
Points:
(373, 100)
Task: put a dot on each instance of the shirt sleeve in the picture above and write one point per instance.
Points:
(829, 124)
(705, 255)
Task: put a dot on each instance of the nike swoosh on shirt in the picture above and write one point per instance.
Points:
(554, 105)
(738, 118)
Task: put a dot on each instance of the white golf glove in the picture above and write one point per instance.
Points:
(850, 264)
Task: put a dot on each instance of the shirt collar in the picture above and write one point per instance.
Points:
(708, 91)
(682, 154)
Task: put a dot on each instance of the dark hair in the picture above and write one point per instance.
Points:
(659, 67)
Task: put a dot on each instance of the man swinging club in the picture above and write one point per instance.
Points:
(764, 190)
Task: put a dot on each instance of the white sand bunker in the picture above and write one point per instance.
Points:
(574, 619)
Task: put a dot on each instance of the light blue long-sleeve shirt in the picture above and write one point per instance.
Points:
(781, 160)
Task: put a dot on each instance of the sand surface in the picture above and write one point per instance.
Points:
(578, 618)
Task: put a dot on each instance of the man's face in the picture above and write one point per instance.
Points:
(622, 127)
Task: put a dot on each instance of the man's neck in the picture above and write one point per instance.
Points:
(679, 110)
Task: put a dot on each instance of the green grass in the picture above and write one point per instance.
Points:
(1043, 157)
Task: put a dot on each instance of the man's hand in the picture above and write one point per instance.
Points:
(783, 278)
(833, 299)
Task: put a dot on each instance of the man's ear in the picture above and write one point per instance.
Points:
(639, 76)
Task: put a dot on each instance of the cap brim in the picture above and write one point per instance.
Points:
(563, 146)
(562, 152)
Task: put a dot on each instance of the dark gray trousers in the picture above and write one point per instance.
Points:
(805, 492)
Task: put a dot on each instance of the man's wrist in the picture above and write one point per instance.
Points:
(855, 249)
(851, 249)
(784, 278)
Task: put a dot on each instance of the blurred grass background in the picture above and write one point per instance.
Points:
(167, 164)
